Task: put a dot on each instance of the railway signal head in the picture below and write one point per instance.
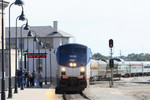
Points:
(111, 63)
(110, 43)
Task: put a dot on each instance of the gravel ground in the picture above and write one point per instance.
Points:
(135, 88)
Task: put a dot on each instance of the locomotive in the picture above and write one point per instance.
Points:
(73, 72)
(76, 70)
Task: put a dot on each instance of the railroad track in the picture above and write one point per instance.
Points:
(64, 96)
(83, 95)
(68, 96)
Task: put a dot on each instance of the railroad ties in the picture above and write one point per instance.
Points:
(68, 96)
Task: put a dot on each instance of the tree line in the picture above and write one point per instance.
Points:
(129, 57)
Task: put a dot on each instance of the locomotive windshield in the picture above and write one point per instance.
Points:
(66, 51)
(79, 50)
(73, 51)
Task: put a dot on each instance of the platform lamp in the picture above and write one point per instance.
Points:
(19, 3)
(22, 18)
(35, 39)
(40, 44)
(29, 35)
(50, 66)
(25, 28)
(3, 80)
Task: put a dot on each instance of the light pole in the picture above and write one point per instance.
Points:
(34, 40)
(44, 47)
(19, 3)
(40, 44)
(25, 28)
(22, 18)
(29, 35)
(50, 67)
(3, 80)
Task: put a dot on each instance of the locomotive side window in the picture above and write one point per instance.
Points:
(65, 50)
(79, 50)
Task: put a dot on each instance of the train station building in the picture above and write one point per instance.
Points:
(38, 57)
(34, 56)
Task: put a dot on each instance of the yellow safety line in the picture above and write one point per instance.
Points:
(50, 94)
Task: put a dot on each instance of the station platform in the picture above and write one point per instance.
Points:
(47, 92)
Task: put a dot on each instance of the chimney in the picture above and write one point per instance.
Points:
(55, 26)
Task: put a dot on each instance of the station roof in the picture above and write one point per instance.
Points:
(42, 31)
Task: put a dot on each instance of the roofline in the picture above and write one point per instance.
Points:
(47, 34)
(37, 37)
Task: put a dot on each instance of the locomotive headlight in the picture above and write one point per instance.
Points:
(63, 69)
(71, 64)
(82, 69)
(74, 64)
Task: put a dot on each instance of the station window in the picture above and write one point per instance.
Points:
(39, 63)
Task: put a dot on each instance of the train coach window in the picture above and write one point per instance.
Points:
(79, 50)
(146, 66)
(66, 50)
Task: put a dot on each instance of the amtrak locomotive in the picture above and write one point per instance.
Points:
(73, 72)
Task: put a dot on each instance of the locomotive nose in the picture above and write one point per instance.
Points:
(73, 81)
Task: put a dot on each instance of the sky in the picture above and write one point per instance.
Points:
(94, 22)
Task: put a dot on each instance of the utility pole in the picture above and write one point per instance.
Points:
(120, 53)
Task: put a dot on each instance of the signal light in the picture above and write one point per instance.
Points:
(30, 56)
(36, 56)
(111, 63)
(110, 43)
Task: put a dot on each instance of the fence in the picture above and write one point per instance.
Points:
(7, 83)
(54, 81)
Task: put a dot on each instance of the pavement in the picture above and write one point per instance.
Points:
(47, 92)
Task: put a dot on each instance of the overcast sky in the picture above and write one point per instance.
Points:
(94, 22)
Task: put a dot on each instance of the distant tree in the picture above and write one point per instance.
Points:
(98, 56)
(138, 57)
(122, 57)
(129, 57)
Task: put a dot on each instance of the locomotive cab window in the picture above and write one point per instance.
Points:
(66, 51)
(79, 50)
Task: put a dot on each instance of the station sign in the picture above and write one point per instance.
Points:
(36, 55)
